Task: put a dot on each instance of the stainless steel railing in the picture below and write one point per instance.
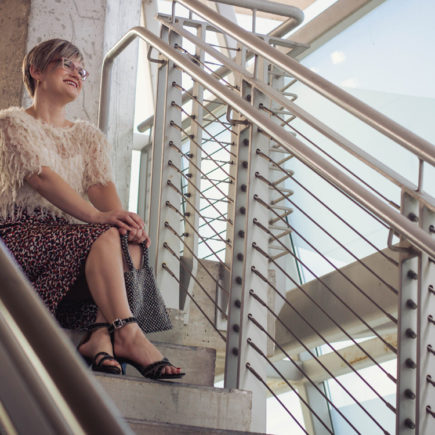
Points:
(400, 224)
(235, 271)
(418, 146)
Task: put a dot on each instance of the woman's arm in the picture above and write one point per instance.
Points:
(105, 198)
(56, 190)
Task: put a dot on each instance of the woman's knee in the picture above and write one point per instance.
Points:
(110, 239)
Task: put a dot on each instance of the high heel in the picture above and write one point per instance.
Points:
(151, 371)
(92, 362)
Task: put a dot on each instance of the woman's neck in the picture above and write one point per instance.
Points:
(48, 112)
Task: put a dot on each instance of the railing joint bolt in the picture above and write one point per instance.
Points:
(235, 351)
(429, 411)
(243, 188)
(243, 210)
(413, 217)
(409, 423)
(236, 328)
(248, 97)
(245, 164)
(411, 274)
(430, 319)
(237, 302)
(411, 304)
(410, 333)
(431, 289)
(432, 228)
(246, 142)
(430, 349)
(241, 234)
(187, 214)
(409, 394)
(238, 279)
(410, 363)
(240, 256)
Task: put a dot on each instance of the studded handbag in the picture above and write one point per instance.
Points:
(145, 300)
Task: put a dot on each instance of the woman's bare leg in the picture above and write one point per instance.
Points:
(104, 274)
(99, 341)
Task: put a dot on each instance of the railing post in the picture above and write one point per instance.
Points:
(189, 264)
(165, 160)
(407, 360)
(244, 364)
(426, 381)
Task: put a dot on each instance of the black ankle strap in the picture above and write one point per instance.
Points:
(120, 323)
(98, 325)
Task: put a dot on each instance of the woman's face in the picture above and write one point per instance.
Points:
(62, 78)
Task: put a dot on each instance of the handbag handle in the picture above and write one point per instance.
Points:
(126, 252)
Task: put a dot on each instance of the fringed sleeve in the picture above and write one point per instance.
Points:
(22, 153)
(98, 169)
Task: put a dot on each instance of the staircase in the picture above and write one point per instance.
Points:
(241, 173)
(188, 405)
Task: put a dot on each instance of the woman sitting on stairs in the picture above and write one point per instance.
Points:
(49, 168)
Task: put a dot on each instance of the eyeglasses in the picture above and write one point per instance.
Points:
(70, 66)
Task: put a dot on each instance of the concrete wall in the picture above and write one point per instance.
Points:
(81, 22)
(14, 16)
(121, 15)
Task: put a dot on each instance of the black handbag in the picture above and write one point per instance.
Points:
(145, 300)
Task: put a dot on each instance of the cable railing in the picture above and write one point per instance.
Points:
(233, 197)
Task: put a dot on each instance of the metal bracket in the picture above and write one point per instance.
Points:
(160, 61)
(406, 249)
(235, 121)
(420, 175)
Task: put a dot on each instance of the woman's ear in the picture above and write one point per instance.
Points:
(35, 73)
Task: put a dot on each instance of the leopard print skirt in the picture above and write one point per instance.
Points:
(52, 253)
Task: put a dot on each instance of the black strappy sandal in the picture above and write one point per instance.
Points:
(151, 371)
(92, 362)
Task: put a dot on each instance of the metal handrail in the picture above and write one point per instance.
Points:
(267, 6)
(317, 163)
(47, 361)
(344, 143)
(423, 149)
(276, 33)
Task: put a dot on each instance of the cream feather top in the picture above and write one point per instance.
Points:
(79, 154)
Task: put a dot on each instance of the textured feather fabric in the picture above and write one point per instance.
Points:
(80, 154)
(145, 300)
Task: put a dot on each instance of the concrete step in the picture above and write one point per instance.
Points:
(151, 428)
(172, 403)
(372, 286)
(197, 362)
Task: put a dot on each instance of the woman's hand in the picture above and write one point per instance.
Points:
(126, 221)
(137, 236)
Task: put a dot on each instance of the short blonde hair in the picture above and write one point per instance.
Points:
(44, 53)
